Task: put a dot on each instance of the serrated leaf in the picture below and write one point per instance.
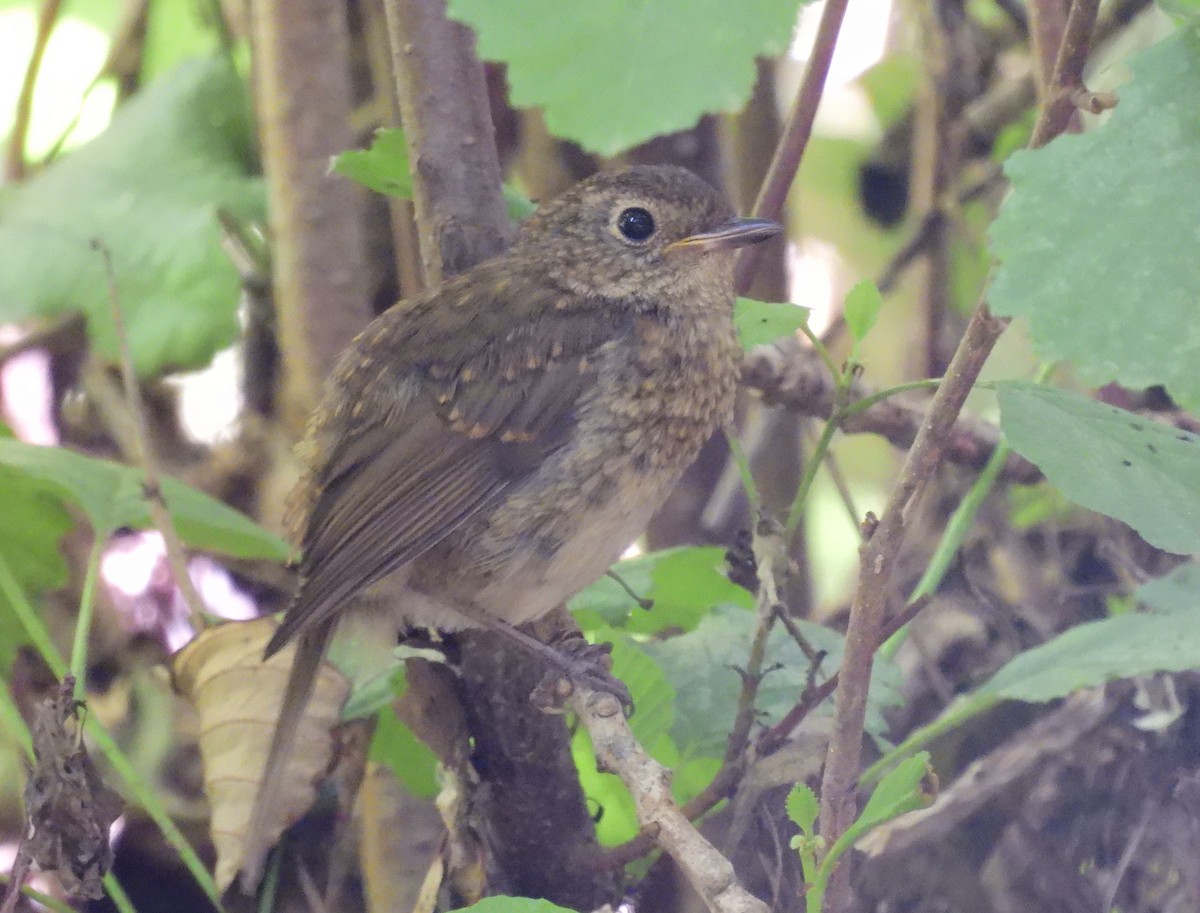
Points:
(898, 792)
(760, 322)
(1100, 275)
(383, 167)
(110, 494)
(863, 304)
(148, 188)
(610, 74)
(803, 806)
(702, 666)
(1109, 460)
(683, 583)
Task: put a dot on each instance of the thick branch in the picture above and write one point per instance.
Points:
(304, 100)
(451, 141)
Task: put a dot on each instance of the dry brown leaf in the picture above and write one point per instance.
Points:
(237, 697)
(69, 807)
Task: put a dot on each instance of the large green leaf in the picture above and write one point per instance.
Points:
(610, 74)
(1097, 240)
(1178, 591)
(110, 494)
(148, 188)
(703, 666)
(1143, 473)
(1091, 654)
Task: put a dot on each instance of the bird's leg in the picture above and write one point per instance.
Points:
(572, 661)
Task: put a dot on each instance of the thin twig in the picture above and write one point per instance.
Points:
(770, 557)
(14, 161)
(152, 487)
(880, 553)
(796, 133)
(773, 738)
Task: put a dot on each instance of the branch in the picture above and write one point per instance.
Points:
(14, 163)
(451, 142)
(796, 133)
(793, 377)
(152, 487)
(617, 751)
(304, 98)
(881, 550)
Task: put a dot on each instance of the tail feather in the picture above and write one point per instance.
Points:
(311, 647)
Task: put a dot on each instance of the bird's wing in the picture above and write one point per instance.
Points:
(433, 442)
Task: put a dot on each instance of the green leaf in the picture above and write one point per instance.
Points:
(684, 584)
(1109, 460)
(383, 167)
(702, 666)
(898, 792)
(501, 904)
(1178, 591)
(652, 694)
(760, 322)
(148, 188)
(610, 74)
(803, 806)
(1100, 275)
(1091, 654)
(410, 759)
(863, 304)
(110, 494)
(1184, 11)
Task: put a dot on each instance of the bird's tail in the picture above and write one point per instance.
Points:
(311, 647)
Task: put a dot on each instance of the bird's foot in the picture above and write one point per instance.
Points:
(580, 666)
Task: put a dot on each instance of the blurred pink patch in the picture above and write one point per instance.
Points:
(144, 592)
(25, 391)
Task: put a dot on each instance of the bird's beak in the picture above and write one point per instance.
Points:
(731, 234)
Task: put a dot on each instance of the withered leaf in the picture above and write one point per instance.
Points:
(69, 807)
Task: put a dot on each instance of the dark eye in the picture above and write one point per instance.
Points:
(636, 224)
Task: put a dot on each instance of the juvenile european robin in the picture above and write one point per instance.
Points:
(487, 449)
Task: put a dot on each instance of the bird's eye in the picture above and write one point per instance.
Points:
(635, 223)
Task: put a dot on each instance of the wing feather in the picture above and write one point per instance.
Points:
(432, 446)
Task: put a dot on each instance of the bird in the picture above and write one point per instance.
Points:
(486, 449)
